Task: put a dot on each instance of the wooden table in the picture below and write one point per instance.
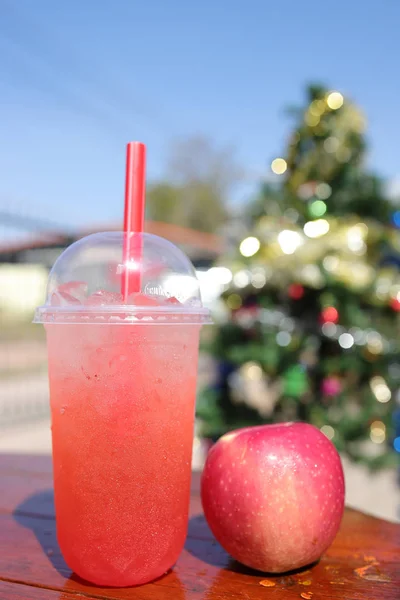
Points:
(363, 563)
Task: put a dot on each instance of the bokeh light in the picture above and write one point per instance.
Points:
(317, 208)
(334, 100)
(396, 218)
(252, 370)
(279, 166)
(330, 315)
(241, 279)
(329, 329)
(380, 389)
(283, 338)
(221, 275)
(315, 229)
(317, 107)
(355, 239)
(346, 341)
(258, 280)
(377, 432)
(323, 191)
(249, 246)
(328, 431)
(374, 342)
(289, 241)
(234, 301)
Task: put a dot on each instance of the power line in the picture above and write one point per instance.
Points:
(29, 223)
(46, 46)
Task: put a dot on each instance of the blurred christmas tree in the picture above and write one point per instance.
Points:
(312, 308)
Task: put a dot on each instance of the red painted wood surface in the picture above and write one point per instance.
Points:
(362, 564)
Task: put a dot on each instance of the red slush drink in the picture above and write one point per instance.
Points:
(122, 403)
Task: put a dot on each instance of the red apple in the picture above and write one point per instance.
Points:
(273, 495)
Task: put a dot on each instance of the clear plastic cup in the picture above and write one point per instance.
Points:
(122, 391)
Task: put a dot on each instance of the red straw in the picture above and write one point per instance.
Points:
(135, 187)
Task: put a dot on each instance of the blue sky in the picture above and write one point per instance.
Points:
(79, 79)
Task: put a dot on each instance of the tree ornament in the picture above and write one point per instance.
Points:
(295, 381)
(296, 291)
(331, 386)
(329, 315)
(395, 304)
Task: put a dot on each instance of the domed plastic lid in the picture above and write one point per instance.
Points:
(86, 280)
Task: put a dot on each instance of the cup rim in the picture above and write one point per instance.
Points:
(122, 314)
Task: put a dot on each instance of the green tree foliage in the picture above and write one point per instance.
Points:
(195, 192)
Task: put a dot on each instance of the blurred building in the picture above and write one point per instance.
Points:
(44, 248)
(24, 264)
